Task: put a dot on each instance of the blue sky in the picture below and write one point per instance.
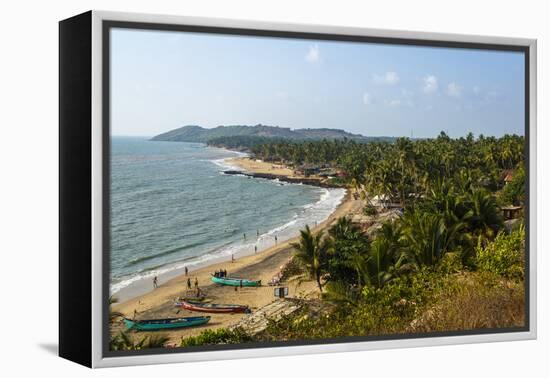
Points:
(164, 80)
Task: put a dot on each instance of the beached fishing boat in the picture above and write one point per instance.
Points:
(229, 281)
(169, 323)
(212, 307)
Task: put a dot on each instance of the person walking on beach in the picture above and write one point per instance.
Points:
(241, 284)
(186, 271)
(275, 239)
(232, 258)
(255, 249)
(244, 236)
(196, 283)
(257, 233)
(188, 283)
(155, 282)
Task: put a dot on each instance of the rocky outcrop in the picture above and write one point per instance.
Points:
(292, 180)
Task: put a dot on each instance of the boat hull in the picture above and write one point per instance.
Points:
(235, 282)
(214, 308)
(170, 323)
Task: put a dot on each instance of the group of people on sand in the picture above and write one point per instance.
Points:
(220, 273)
(189, 283)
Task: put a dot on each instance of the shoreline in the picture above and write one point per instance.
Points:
(264, 265)
(143, 285)
(272, 171)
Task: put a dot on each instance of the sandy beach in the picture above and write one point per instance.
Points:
(258, 166)
(264, 265)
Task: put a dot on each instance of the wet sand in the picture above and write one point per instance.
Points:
(159, 303)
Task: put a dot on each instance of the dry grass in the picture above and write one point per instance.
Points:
(474, 301)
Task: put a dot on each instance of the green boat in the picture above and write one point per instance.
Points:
(231, 281)
(169, 323)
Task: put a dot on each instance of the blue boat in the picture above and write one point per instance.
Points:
(235, 281)
(169, 323)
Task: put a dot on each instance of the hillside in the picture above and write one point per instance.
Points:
(199, 134)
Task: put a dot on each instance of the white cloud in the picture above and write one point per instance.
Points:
(454, 90)
(430, 84)
(367, 99)
(389, 78)
(313, 55)
(393, 103)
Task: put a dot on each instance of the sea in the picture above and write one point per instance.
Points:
(173, 207)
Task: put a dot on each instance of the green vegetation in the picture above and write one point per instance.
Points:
(124, 341)
(216, 337)
(408, 169)
(504, 256)
(514, 192)
(445, 261)
(369, 210)
(311, 253)
(244, 136)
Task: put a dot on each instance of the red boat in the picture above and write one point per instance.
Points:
(212, 307)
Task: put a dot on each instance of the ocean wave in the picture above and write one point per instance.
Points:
(311, 214)
(158, 270)
(163, 253)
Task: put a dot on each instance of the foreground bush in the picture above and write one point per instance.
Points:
(425, 301)
(444, 296)
(125, 341)
(473, 301)
(219, 336)
(505, 256)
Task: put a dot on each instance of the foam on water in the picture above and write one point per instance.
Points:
(166, 258)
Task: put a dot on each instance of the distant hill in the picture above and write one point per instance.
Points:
(199, 134)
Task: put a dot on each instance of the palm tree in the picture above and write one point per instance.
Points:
(342, 229)
(311, 251)
(380, 265)
(358, 262)
(484, 219)
(428, 238)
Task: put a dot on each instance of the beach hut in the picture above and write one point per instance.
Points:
(507, 176)
(307, 170)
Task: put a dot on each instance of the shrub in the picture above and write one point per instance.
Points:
(125, 341)
(291, 269)
(505, 256)
(219, 336)
(514, 192)
(473, 301)
(369, 210)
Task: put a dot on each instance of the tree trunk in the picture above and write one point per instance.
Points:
(318, 279)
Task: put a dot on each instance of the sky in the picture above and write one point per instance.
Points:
(164, 80)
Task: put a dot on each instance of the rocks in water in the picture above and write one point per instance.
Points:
(281, 178)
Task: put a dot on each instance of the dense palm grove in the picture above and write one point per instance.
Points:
(447, 262)
(408, 168)
(449, 190)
